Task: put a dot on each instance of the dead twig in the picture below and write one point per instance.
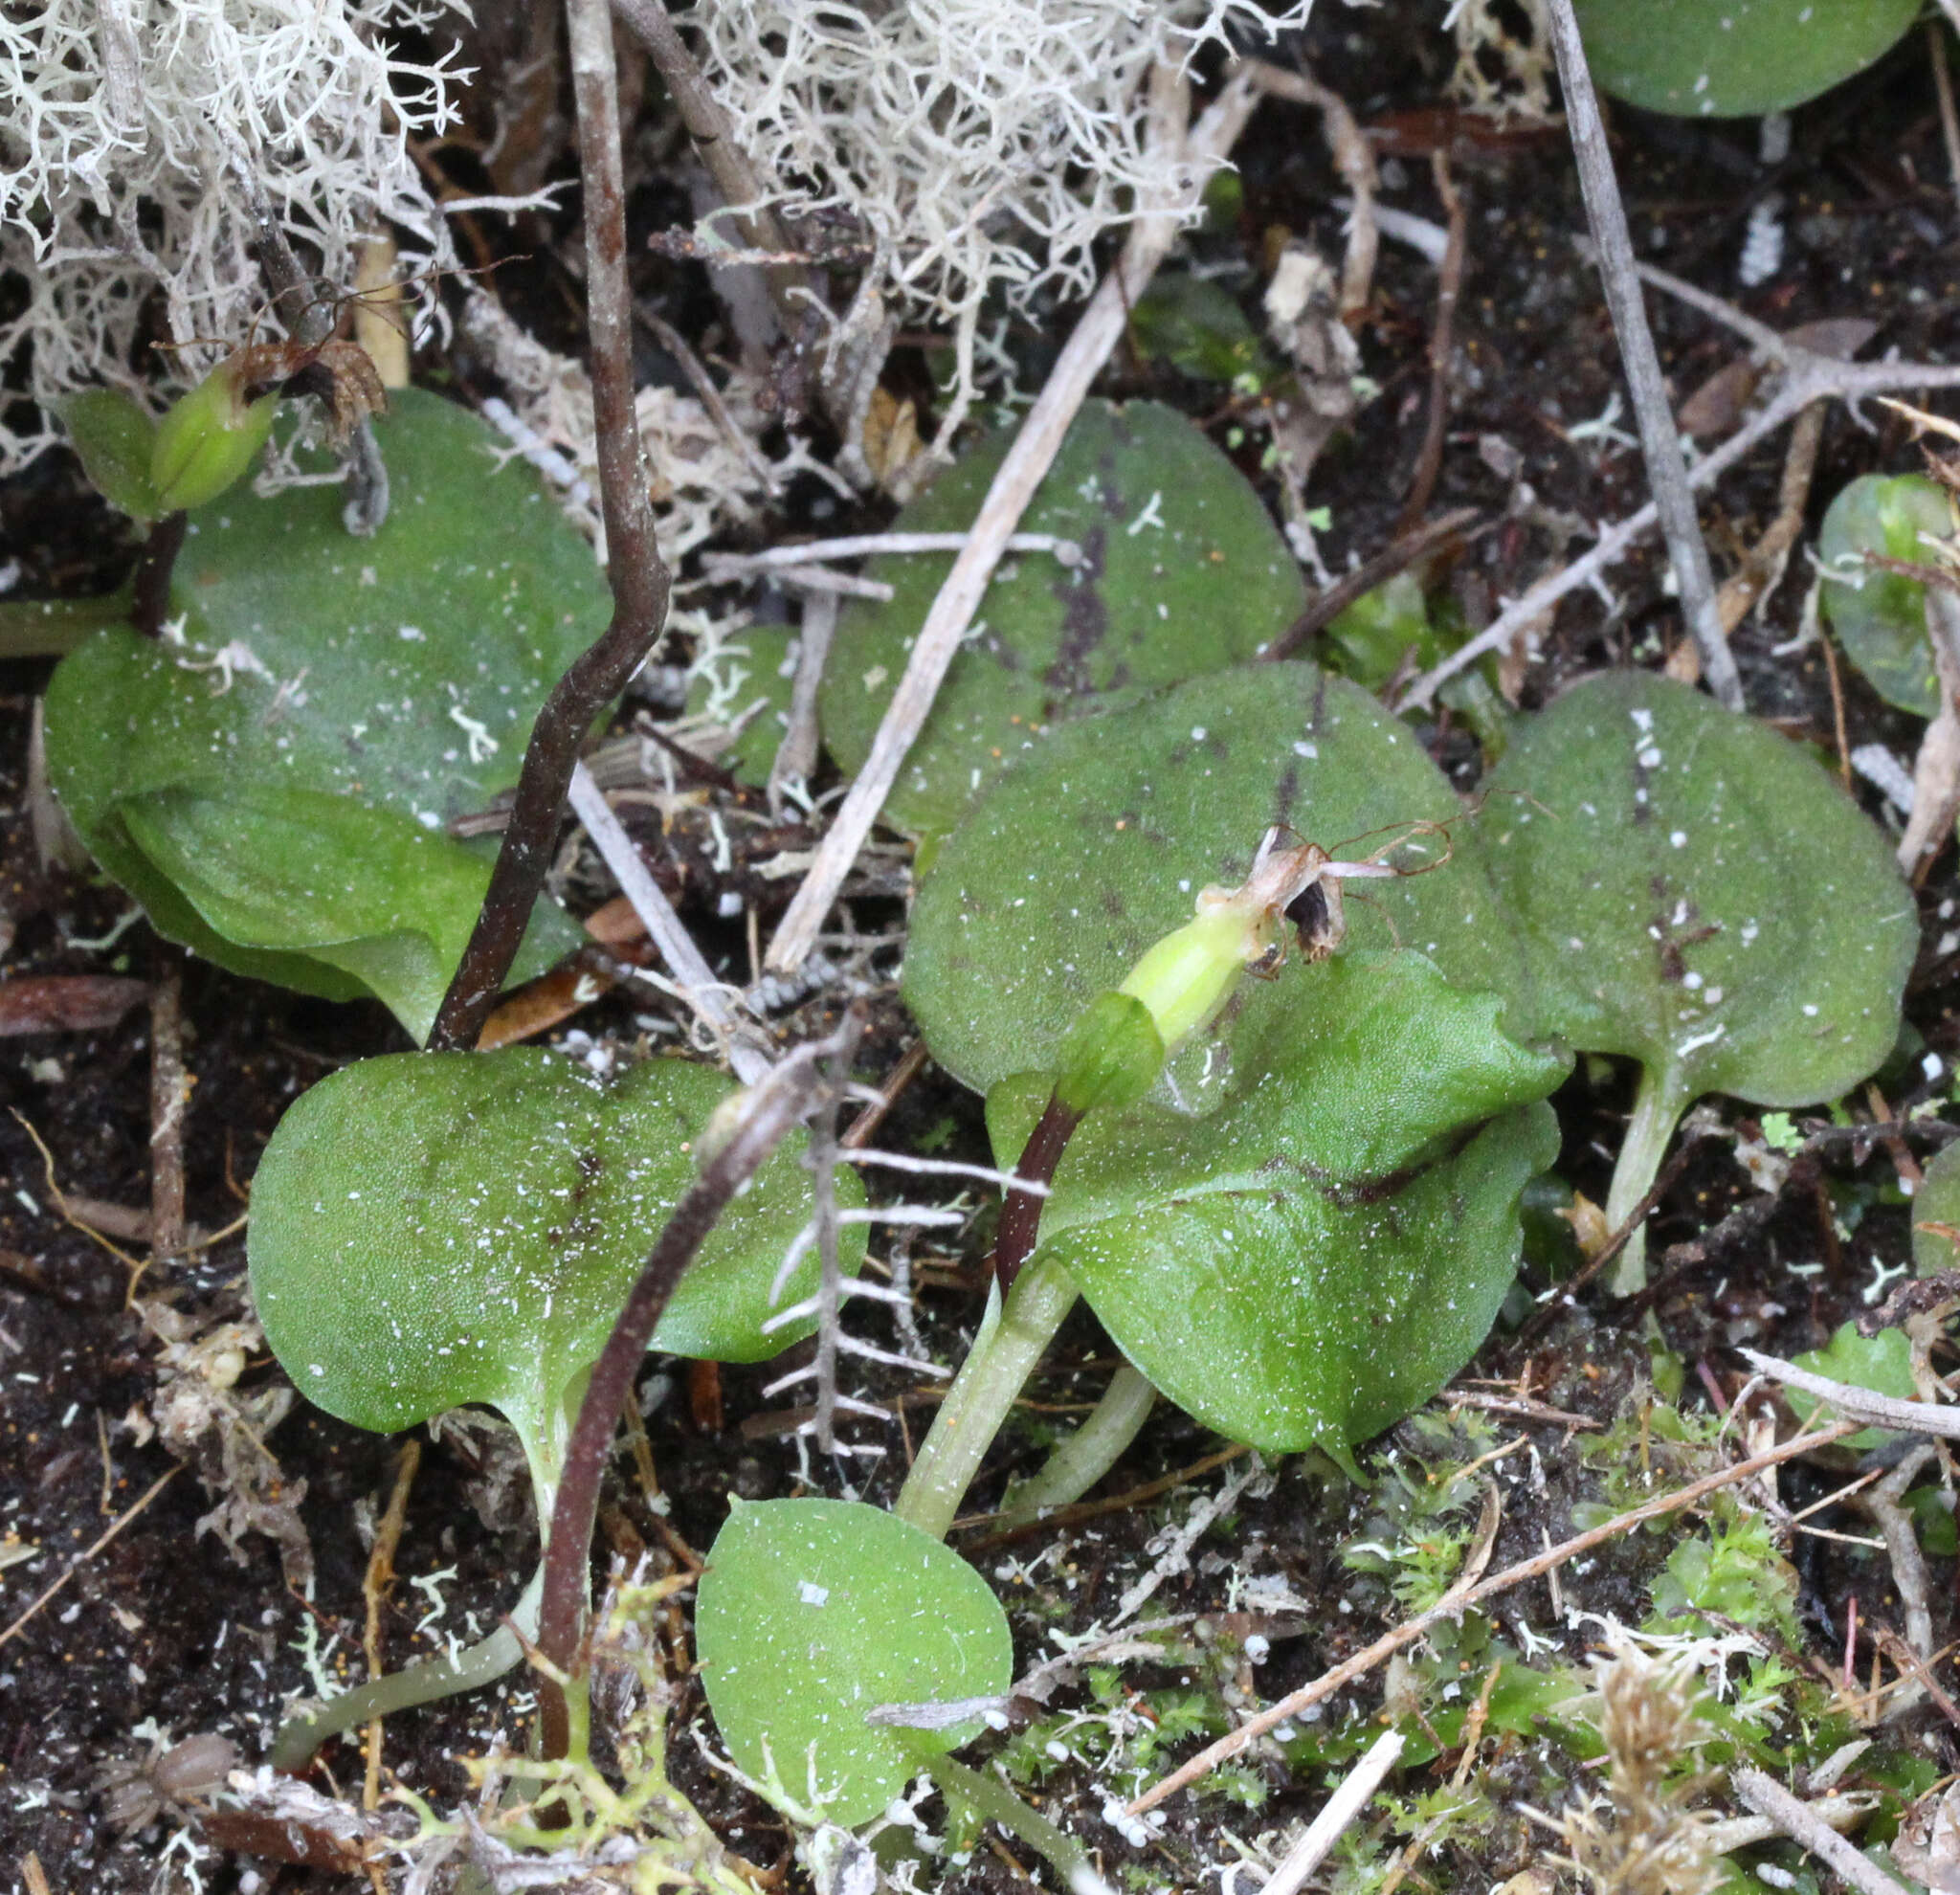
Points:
(1095, 336)
(1405, 1633)
(1449, 286)
(693, 978)
(1354, 159)
(796, 754)
(80, 1560)
(374, 1585)
(633, 567)
(1943, 86)
(1796, 1819)
(1340, 1810)
(1397, 556)
(169, 1097)
(1762, 569)
(1936, 769)
(1866, 1406)
(1659, 444)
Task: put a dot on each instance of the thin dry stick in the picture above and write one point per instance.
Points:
(374, 1585)
(169, 1097)
(864, 545)
(1867, 1407)
(80, 1560)
(1796, 1819)
(1363, 1661)
(1811, 377)
(741, 185)
(1095, 335)
(1449, 286)
(1353, 158)
(1659, 444)
(665, 930)
(1340, 1810)
(1943, 85)
(796, 754)
(634, 567)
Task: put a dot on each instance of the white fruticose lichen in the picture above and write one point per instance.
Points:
(975, 144)
(135, 135)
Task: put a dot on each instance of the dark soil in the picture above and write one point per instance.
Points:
(165, 1632)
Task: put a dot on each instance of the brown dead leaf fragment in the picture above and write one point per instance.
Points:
(67, 1003)
(1717, 405)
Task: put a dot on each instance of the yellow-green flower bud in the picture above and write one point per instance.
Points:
(1111, 1056)
(1190, 974)
(208, 438)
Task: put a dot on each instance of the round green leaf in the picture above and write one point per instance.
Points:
(1881, 1363)
(398, 675)
(1318, 1255)
(1183, 572)
(1937, 1201)
(1879, 616)
(812, 1613)
(1096, 845)
(1695, 891)
(430, 1229)
(1727, 59)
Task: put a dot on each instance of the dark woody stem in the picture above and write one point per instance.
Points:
(154, 564)
(774, 1109)
(638, 577)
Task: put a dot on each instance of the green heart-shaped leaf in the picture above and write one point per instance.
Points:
(1694, 891)
(1730, 58)
(299, 872)
(398, 676)
(430, 1229)
(1096, 844)
(815, 1612)
(1319, 1255)
(1183, 572)
(1880, 616)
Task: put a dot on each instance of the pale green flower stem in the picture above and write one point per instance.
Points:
(1657, 1107)
(1088, 1454)
(1004, 1355)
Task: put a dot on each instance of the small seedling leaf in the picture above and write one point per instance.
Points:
(114, 438)
(400, 674)
(815, 1612)
(1730, 58)
(1937, 1202)
(1694, 891)
(430, 1229)
(1880, 616)
(1182, 572)
(1095, 846)
(1881, 1363)
(1319, 1255)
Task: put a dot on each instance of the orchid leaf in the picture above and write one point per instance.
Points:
(1880, 616)
(397, 675)
(430, 1229)
(815, 1612)
(1096, 845)
(1936, 1204)
(1733, 59)
(1182, 572)
(1320, 1254)
(1695, 892)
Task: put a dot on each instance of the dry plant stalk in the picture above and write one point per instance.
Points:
(1653, 1843)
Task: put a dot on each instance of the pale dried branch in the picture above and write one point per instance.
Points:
(1035, 446)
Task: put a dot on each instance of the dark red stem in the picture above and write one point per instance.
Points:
(1020, 1215)
(634, 566)
(154, 564)
(776, 1105)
